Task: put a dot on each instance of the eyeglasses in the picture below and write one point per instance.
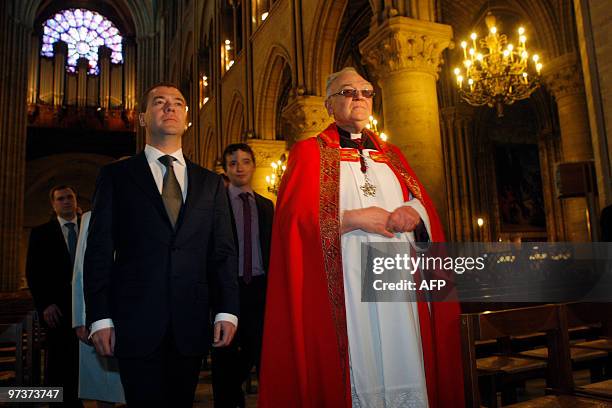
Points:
(352, 93)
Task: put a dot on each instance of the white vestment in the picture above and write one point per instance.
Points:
(386, 358)
(98, 376)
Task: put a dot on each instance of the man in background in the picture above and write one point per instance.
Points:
(252, 225)
(50, 259)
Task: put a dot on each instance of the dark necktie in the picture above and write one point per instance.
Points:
(171, 190)
(247, 265)
(72, 240)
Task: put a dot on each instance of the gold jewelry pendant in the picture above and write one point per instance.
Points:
(368, 189)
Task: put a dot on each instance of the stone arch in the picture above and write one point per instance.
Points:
(127, 15)
(542, 20)
(235, 120)
(322, 44)
(269, 91)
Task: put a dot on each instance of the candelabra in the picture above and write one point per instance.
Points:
(497, 73)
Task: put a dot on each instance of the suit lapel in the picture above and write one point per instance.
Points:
(141, 172)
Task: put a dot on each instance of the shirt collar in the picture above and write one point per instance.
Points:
(346, 140)
(63, 221)
(234, 191)
(152, 154)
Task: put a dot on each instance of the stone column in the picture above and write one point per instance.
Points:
(104, 54)
(405, 55)
(60, 52)
(15, 43)
(464, 197)
(563, 76)
(307, 116)
(266, 151)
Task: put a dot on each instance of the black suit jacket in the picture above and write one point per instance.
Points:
(265, 217)
(145, 275)
(49, 269)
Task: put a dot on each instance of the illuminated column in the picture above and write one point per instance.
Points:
(563, 76)
(404, 54)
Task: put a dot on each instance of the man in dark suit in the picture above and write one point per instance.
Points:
(49, 273)
(252, 221)
(160, 238)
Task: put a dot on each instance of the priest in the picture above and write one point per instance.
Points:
(323, 346)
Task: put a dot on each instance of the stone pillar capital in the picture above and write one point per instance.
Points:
(563, 76)
(307, 116)
(406, 44)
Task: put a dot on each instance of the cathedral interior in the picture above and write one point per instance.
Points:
(533, 168)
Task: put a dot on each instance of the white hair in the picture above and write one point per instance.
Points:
(333, 76)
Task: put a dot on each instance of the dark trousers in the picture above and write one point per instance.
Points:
(63, 362)
(165, 378)
(232, 365)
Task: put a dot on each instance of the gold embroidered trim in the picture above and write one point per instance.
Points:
(329, 219)
(349, 155)
(410, 181)
(379, 157)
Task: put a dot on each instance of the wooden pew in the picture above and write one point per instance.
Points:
(495, 325)
(594, 314)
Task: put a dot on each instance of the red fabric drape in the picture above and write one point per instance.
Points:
(304, 356)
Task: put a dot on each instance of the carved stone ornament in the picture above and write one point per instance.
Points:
(404, 43)
(267, 151)
(563, 76)
(307, 114)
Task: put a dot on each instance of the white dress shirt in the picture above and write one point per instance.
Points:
(158, 169)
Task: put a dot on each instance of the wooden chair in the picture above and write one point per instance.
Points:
(17, 335)
(600, 315)
(549, 319)
(12, 334)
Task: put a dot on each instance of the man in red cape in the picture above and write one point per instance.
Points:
(305, 357)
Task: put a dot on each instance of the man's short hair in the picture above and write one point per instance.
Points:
(61, 187)
(234, 147)
(334, 75)
(144, 100)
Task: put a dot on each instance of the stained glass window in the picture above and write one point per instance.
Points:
(83, 31)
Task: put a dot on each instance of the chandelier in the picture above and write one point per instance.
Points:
(274, 179)
(498, 72)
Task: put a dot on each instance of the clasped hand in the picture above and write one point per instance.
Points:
(380, 221)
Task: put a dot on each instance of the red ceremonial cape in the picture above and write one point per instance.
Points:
(305, 359)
